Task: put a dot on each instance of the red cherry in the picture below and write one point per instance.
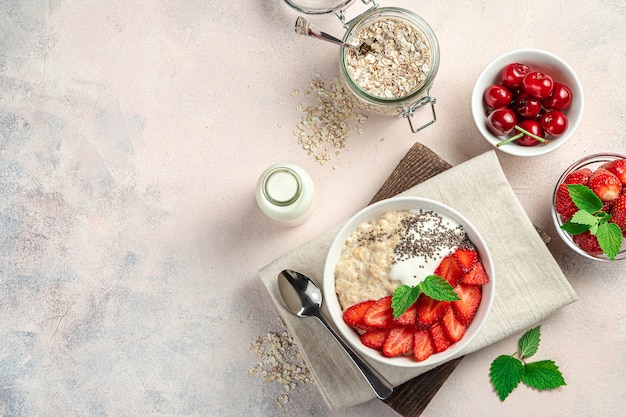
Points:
(497, 96)
(539, 115)
(554, 123)
(513, 74)
(533, 127)
(559, 99)
(526, 106)
(538, 84)
(501, 121)
(516, 92)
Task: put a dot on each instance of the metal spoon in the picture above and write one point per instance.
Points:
(303, 298)
(304, 27)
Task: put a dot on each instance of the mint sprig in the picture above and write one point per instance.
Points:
(433, 286)
(590, 217)
(507, 371)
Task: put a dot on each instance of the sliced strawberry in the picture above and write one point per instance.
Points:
(408, 317)
(353, 315)
(452, 326)
(449, 270)
(399, 341)
(465, 258)
(477, 276)
(375, 338)
(618, 213)
(605, 184)
(422, 345)
(440, 340)
(379, 315)
(588, 243)
(617, 167)
(429, 311)
(465, 308)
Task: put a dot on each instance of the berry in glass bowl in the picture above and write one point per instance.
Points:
(589, 206)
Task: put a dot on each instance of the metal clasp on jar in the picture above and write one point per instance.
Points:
(408, 111)
(341, 13)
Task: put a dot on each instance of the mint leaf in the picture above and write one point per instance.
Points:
(610, 239)
(403, 297)
(584, 198)
(438, 288)
(506, 373)
(603, 216)
(433, 286)
(529, 343)
(543, 375)
(574, 228)
(591, 217)
(584, 217)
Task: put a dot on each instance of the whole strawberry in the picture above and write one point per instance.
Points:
(580, 176)
(588, 243)
(617, 167)
(563, 202)
(618, 213)
(605, 184)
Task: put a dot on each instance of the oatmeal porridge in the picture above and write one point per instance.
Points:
(400, 247)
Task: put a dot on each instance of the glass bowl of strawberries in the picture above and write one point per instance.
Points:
(589, 206)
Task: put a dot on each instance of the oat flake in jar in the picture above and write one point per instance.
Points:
(395, 77)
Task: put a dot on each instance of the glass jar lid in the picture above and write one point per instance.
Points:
(318, 6)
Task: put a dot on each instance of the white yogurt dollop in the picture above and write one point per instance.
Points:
(429, 238)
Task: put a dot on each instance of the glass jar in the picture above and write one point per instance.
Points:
(401, 75)
(381, 61)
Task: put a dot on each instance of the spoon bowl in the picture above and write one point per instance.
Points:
(303, 298)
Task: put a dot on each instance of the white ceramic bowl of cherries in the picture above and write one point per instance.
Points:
(527, 102)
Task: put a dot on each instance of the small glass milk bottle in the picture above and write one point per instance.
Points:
(284, 192)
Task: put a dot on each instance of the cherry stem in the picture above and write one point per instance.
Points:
(539, 138)
(509, 140)
(519, 135)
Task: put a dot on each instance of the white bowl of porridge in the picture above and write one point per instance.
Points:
(404, 241)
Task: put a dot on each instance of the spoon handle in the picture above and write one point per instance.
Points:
(304, 27)
(378, 385)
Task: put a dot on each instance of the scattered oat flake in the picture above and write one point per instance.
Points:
(324, 126)
(280, 361)
(281, 400)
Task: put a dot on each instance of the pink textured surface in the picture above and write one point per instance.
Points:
(132, 138)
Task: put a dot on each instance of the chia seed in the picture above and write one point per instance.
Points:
(427, 235)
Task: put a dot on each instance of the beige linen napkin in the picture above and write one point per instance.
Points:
(529, 283)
